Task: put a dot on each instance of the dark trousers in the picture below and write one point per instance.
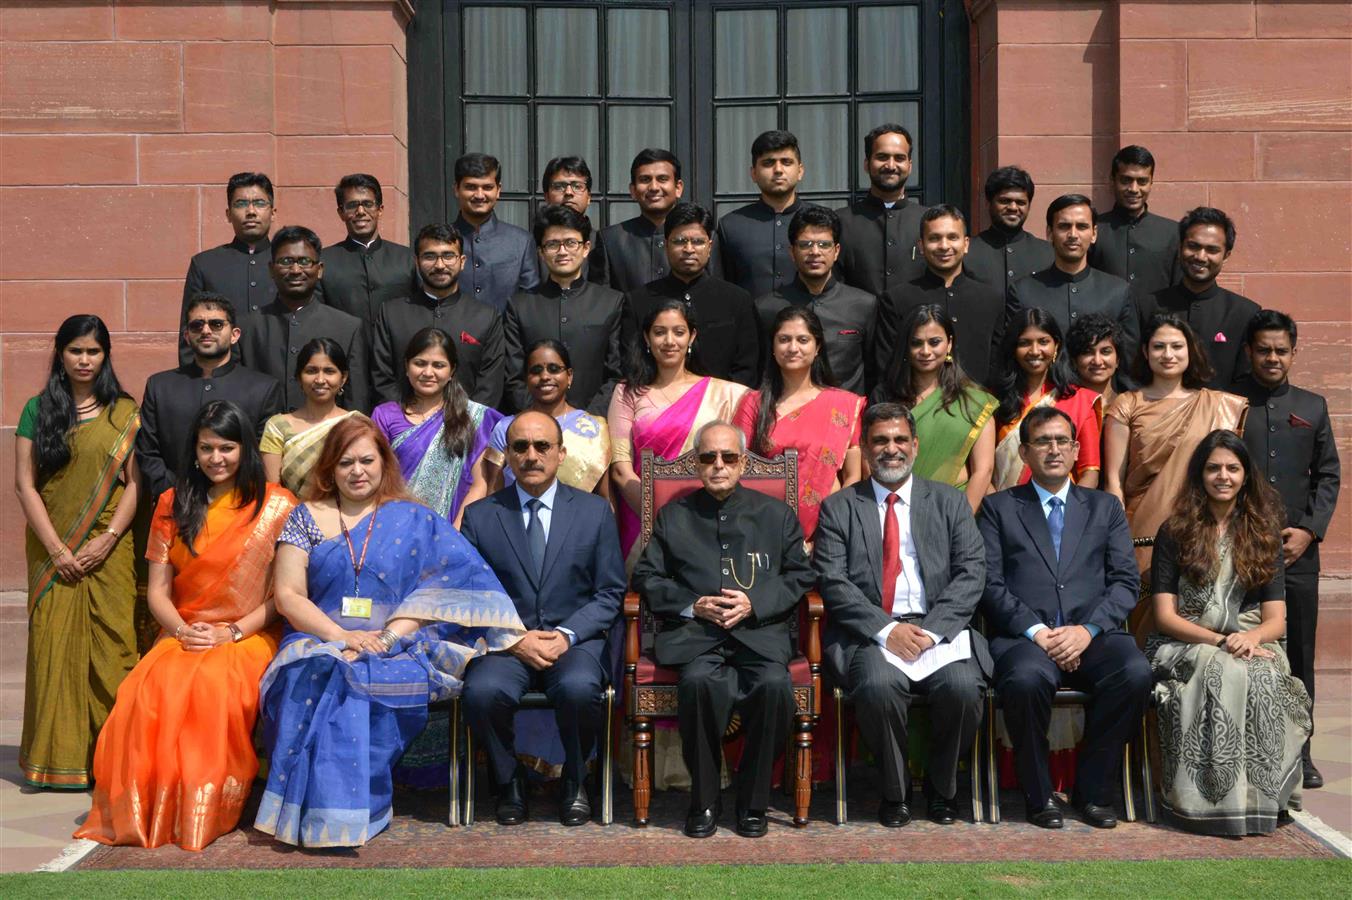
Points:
(881, 695)
(493, 688)
(1117, 676)
(1302, 615)
(711, 686)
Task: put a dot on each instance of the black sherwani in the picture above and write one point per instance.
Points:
(359, 279)
(849, 318)
(727, 340)
(745, 667)
(272, 340)
(1219, 318)
(475, 327)
(878, 245)
(586, 318)
(237, 271)
(1067, 297)
(754, 245)
(626, 255)
(1000, 257)
(1142, 251)
(976, 307)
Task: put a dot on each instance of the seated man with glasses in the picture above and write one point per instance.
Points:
(848, 315)
(237, 270)
(584, 316)
(727, 319)
(272, 339)
(557, 553)
(723, 574)
(364, 270)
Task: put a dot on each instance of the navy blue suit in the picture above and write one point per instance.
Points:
(1094, 582)
(580, 588)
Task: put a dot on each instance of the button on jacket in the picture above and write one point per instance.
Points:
(1143, 251)
(1067, 297)
(237, 271)
(272, 340)
(476, 328)
(976, 308)
(500, 259)
(1219, 318)
(358, 279)
(754, 245)
(849, 319)
(728, 333)
(586, 318)
(1000, 257)
(878, 245)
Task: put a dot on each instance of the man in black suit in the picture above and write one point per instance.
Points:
(1060, 580)
(879, 230)
(901, 567)
(629, 254)
(1133, 243)
(723, 573)
(364, 270)
(557, 553)
(1006, 252)
(1288, 433)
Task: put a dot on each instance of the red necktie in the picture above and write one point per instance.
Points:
(891, 554)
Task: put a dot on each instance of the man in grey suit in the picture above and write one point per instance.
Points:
(901, 566)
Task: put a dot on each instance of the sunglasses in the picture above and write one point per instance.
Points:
(710, 457)
(551, 368)
(201, 324)
(520, 447)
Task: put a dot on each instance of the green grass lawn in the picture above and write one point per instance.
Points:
(1192, 879)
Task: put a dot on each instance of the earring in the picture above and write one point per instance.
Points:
(341, 389)
(948, 358)
(648, 349)
(688, 349)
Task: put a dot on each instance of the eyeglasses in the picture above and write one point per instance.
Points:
(709, 457)
(202, 324)
(287, 262)
(553, 246)
(519, 447)
(551, 368)
(576, 187)
(430, 258)
(806, 244)
(695, 243)
(256, 203)
(354, 205)
(1046, 443)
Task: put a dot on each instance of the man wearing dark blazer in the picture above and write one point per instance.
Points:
(557, 553)
(723, 574)
(920, 536)
(1061, 578)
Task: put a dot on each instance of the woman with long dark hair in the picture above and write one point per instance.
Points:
(799, 406)
(1036, 372)
(291, 441)
(1232, 718)
(953, 415)
(76, 477)
(175, 760)
(440, 436)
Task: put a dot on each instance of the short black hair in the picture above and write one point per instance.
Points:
(649, 155)
(811, 216)
(292, 233)
(886, 412)
(210, 300)
(1269, 320)
(1207, 215)
(687, 213)
(1008, 178)
(477, 165)
(355, 182)
(887, 128)
(560, 216)
(1090, 328)
(565, 164)
(1039, 416)
(437, 232)
(942, 211)
(769, 141)
(248, 179)
(1133, 155)
(1068, 200)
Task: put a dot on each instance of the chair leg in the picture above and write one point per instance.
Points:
(468, 817)
(1147, 771)
(643, 768)
(453, 775)
(842, 764)
(802, 775)
(1128, 791)
(974, 762)
(992, 763)
(607, 756)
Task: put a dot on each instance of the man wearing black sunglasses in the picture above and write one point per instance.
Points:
(724, 572)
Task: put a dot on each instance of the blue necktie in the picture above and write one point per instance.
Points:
(535, 535)
(1056, 521)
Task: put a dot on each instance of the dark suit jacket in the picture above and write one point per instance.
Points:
(1067, 297)
(683, 562)
(583, 579)
(273, 337)
(1095, 582)
(848, 554)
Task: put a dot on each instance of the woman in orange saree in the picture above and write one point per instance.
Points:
(175, 760)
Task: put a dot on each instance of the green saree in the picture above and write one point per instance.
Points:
(948, 435)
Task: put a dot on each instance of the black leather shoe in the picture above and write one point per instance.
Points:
(1312, 779)
(512, 802)
(944, 812)
(893, 814)
(702, 823)
(1098, 816)
(751, 823)
(1047, 817)
(574, 807)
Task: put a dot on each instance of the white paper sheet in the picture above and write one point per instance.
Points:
(933, 659)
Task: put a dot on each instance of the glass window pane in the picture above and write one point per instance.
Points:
(567, 131)
(514, 212)
(819, 128)
(631, 129)
(889, 33)
(747, 55)
(499, 129)
(903, 113)
(492, 38)
(619, 211)
(817, 51)
(735, 127)
(638, 51)
(566, 58)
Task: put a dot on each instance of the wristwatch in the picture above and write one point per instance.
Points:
(235, 634)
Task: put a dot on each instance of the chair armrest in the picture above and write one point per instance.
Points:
(631, 635)
(810, 640)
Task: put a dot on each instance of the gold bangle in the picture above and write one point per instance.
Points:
(58, 554)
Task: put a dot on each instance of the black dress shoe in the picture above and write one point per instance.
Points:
(1098, 816)
(574, 807)
(893, 814)
(751, 823)
(512, 802)
(702, 823)
(1312, 779)
(1048, 816)
(944, 812)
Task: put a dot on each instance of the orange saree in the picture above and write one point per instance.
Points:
(175, 760)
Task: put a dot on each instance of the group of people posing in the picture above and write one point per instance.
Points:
(382, 478)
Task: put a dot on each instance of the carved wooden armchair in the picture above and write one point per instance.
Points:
(650, 689)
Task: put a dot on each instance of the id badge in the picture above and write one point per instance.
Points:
(357, 607)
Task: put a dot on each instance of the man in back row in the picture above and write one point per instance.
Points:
(1133, 243)
(629, 254)
(499, 258)
(754, 240)
(1006, 252)
(364, 270)
(878, 232)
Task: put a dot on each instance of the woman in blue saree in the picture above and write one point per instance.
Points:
(387, 604)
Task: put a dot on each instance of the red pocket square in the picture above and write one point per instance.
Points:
(1220, 338)
(848, 331)
(467, 338)
(1297, 422)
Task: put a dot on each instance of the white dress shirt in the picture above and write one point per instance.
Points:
(909, 597)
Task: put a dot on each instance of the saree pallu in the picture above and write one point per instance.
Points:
(433, 475)
(299, 449)
(176, 759)
(81, 636)
(585, 437)
(1085, 409)
(947, 436)
(337, 727)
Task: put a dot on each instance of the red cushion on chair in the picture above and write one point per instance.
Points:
(649, 672)
(666, 490)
